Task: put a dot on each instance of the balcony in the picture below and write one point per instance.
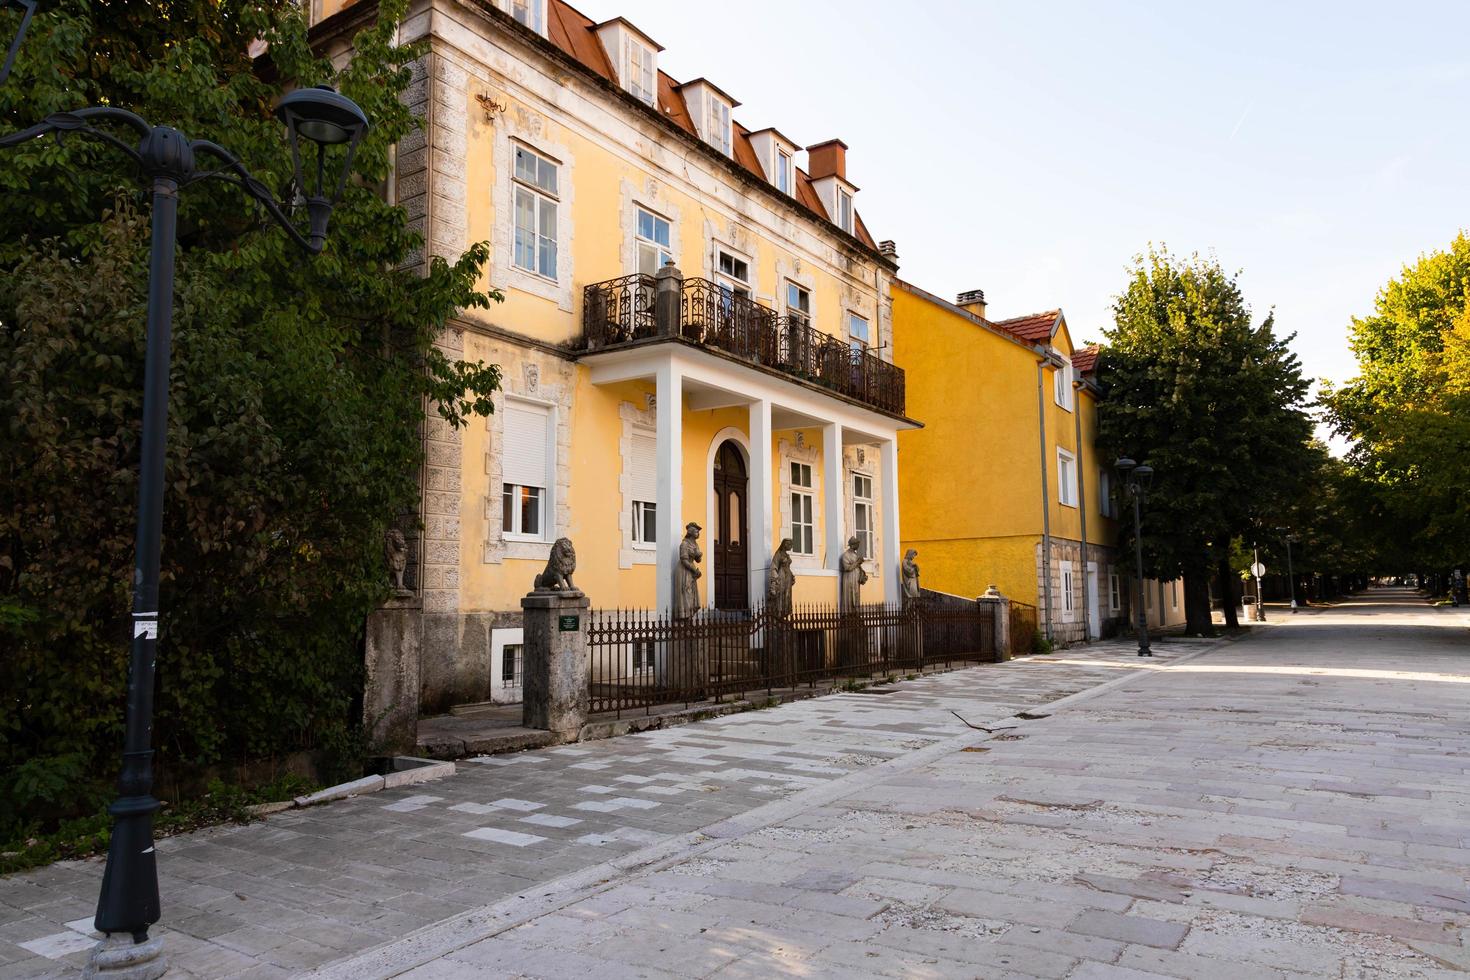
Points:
(645, 308)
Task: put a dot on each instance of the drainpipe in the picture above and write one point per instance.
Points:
(1045, 498)
(1082, 509)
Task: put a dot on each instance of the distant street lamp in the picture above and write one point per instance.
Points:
(1135, 481)
(26, 8)
(1290, 570)
(128, 903)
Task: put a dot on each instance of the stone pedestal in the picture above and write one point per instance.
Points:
(390, 698)
(117, 957)
(1002, 607)
(554, 643)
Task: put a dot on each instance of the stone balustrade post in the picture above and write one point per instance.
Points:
(667, 300)
(1002, 621)
(554, 688)
(390, 699)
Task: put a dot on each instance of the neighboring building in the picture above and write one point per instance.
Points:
(1003, 484)
(696, 327)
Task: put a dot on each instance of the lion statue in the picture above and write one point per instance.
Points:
(395, 553)
(559, 568)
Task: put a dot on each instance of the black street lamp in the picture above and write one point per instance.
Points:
(26, 8)
(1135, 480)
(128, 903)
(1290, 570)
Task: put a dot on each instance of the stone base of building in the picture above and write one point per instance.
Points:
(1069, 596)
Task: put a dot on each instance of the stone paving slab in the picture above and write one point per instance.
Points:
(1289, 807)
(307, 887)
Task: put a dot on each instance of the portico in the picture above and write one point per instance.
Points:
(856, 461)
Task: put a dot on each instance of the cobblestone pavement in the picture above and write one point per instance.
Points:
(307, 887)
(1291, 806)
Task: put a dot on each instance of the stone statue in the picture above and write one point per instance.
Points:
(852, 576)
(781, 581)
(910, 572)
(686, 573)
(395, 553)
(559, 568)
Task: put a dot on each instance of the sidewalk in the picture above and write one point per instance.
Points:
(305, 888)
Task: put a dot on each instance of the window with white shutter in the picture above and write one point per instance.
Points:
(525, 467)
(643, 485)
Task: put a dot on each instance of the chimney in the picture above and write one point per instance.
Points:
(972, 301)
(827, 159)
(888, 250)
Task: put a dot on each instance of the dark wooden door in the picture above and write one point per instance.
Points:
(732, 580)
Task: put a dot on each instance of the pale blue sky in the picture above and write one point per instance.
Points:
(1030, 149)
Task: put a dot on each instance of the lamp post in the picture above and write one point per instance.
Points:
(1135, 479)
(1290, 569)
(128, 903)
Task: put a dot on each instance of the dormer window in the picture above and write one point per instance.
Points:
(784, 168)
(844, 210)
(531, 13)
(641, 72)
(717, 125)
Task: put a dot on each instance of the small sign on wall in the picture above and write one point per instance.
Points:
(568, 624)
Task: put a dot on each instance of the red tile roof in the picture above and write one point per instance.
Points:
(576, 35)
(1085, 360)
(1033, 327)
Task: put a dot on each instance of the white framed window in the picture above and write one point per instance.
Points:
(799, 304)
(644, 487)
(862, 513)
(507, 665)
(1104, 492)
(844, 210)
(642, 656)
(526, 458)
(651, 239)
(1068, 600)
(785, 172)
(535, 204)
(1066, 478)
(531, 13)
(1174, 594)
(641, 73)
(511, 666)
(858, 332)
(717, 124)
(803, 502)
(1115, 594)
(1062, 377)
(732, 272)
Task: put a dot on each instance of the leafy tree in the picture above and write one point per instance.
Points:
(298, 392)
(1408, 411)
(1214, 403)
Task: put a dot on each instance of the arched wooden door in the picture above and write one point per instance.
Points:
(728, 544)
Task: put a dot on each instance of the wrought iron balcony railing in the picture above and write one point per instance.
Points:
(629, 309)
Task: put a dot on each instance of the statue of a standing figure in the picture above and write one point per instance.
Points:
(686, 573)
(852, 576)
(910, 570)
(395, 553)
(781, 581)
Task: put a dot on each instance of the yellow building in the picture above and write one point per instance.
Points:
(1003, 485)
(696, 328)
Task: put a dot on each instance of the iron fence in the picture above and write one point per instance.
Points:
(640, 659)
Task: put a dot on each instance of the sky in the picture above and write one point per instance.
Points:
(1031, 149)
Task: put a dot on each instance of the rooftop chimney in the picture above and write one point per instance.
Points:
(972, 301)
(888, 249)
(827, 159)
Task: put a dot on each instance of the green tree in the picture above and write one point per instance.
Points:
(298, 391)
(1216, 404)
(1408, 410)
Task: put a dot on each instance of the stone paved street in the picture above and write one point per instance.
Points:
(307, 887)
(1293, 804)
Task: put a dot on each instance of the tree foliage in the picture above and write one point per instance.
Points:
(1408, 411)
(298, 391)
(1214, 403)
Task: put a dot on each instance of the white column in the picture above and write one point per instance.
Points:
(759, 547)
(669, 432)
(832, 518)
(888, 550)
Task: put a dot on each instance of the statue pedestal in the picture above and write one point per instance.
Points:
(554, 643)
(390, 697)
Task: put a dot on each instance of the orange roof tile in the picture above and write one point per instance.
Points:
(1032, 327)
(1085, 360)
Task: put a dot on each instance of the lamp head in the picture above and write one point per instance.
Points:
(1144, 474)
(1124, 466)
(323, 116)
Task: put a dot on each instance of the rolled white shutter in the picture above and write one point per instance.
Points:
(523, 458)
(644, 465)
